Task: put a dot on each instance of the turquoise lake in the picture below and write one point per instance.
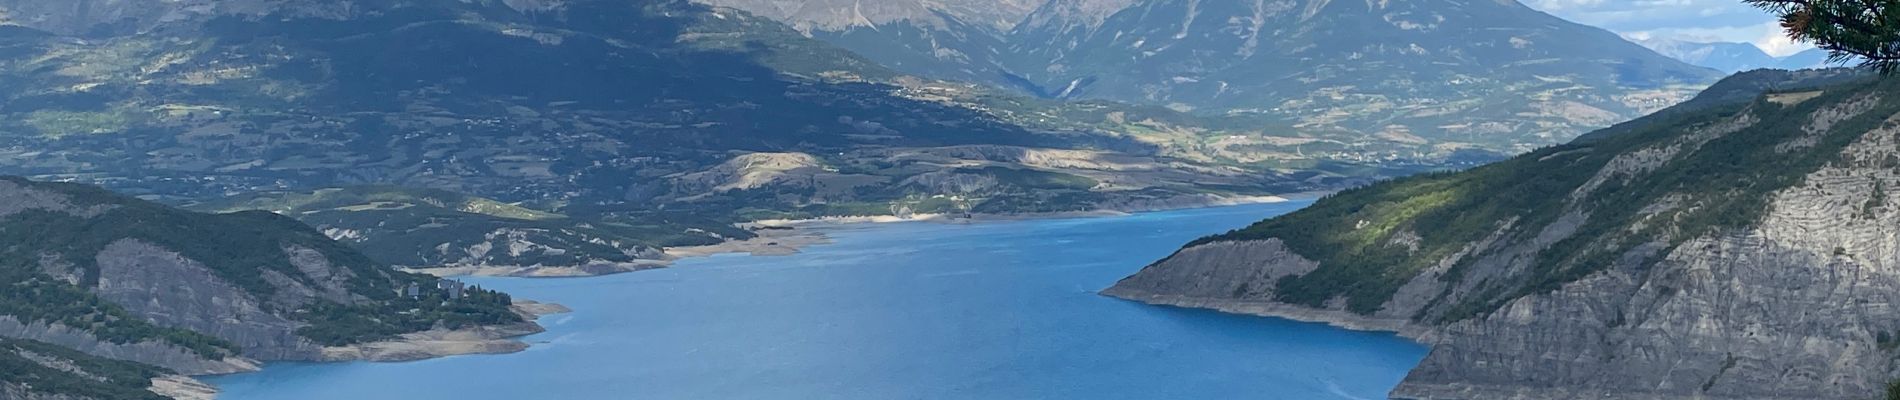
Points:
(993, 310)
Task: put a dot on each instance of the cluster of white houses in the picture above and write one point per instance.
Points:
(450, 288)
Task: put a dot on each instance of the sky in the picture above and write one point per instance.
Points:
(1691, 20)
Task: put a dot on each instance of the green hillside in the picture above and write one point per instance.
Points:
(244, 250)
(1729, 180)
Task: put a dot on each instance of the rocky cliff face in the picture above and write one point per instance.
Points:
(172, 290)
(1747, 252)
(123, 286)
(1055, 29)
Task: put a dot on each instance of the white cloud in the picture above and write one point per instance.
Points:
(1768, 36)
(1688, 20)
(1777, 43)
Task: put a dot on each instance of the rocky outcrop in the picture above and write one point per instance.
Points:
(1799, 300)
(332, 283)
(171, 290)
(180, 387)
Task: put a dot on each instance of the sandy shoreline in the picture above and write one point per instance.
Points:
(1335, 318)
(180, 387)
(538, 271)
(782, 237)
(436, 343)
(880, 219)
(769, 242)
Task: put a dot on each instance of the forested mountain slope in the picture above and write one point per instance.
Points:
(115, 277)
(645, 123)
(1727, 249)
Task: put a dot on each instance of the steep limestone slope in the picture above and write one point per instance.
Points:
(1738, 250)
(1054, 30)
(121, 278)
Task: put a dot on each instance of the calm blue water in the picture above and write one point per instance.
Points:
(1003, 310)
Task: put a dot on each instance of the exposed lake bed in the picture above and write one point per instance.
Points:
(1004, 309)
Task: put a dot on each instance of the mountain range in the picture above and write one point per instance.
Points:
(1736, 56)
(1739, 246)
(609, 130)
(1441, 74)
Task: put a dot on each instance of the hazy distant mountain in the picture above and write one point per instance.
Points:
(1422, 72)
(1810, 59)
(1737, 57)
(1488, 74)
(1433, 70)
(1726, 56)
(1041, 35)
